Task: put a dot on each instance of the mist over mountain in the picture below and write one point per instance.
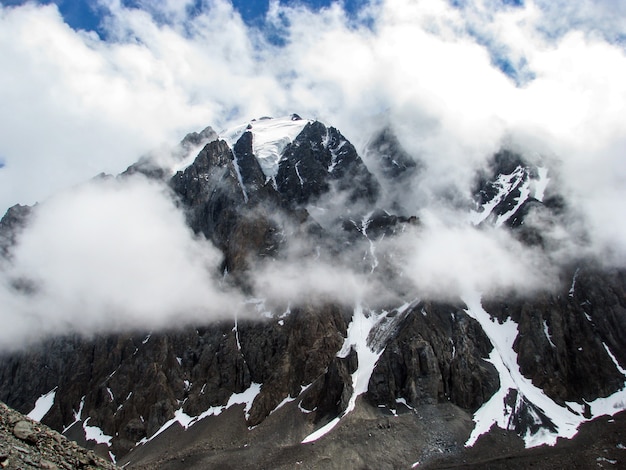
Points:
(266, 267)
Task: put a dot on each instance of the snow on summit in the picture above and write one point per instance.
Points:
(270, 137)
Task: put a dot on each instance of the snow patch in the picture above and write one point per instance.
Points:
(43, 405)
(614, 359)
(521, 199)
(183, 419)
(236, 331)
(573, 286)
(357, 338)
(547, 333)
(289, 399)
(270, 138)
(77, 415)
(565, 419)
(239, 178)
(504, 184)
(333, 156)
(504, 358)
(94, 433)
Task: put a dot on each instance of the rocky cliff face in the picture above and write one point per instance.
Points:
(538, 361)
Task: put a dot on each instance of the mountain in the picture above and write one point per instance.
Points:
(313, 371)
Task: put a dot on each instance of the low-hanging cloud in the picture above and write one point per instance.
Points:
(447, 262)
(110, 255)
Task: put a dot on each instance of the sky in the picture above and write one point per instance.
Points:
(88, 87)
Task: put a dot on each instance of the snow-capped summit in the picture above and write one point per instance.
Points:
(270, 137)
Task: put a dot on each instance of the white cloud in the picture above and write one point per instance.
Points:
(446, 262)
(74, 105)
(107, 256)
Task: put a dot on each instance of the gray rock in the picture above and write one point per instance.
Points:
(25, 431)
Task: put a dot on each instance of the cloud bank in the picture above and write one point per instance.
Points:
(109, 255)
(454, 83)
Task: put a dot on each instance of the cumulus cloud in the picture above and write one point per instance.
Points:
(76, 104)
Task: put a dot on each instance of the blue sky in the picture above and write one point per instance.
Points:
(86, 14)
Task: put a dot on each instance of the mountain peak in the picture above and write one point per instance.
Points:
(270, 137)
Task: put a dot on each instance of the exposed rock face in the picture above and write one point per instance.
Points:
(10, 226)
(438, 354)
(321, 159)
(562, 337)
(130, 385)
(151, 166)
(427, 356)
(25, 444)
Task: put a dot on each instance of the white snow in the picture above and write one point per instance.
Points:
(547, 333)
(604, 459)
(541, 183)
(232, 135)
(402, 401)
(333, 156)
(505, 184)
(614, 359)
(94, 433)
(298, 173)
(289, 399)
(304, 410)
(43, 405)
(573, 286)
(270, 137)
(146, 339)
(236, 330)
(365, 222)
(521, 199)
(239, 178)
(244, 398)
(110, 392)
(503, 357)
(358, 332)
(77, 414)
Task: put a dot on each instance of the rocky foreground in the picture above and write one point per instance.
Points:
(26, 444)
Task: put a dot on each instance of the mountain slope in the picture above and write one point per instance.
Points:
(294, 367)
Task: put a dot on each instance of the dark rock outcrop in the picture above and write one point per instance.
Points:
(438, 354)
(321, 159)
(564, 336)
(26, 445)
(11, 225)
